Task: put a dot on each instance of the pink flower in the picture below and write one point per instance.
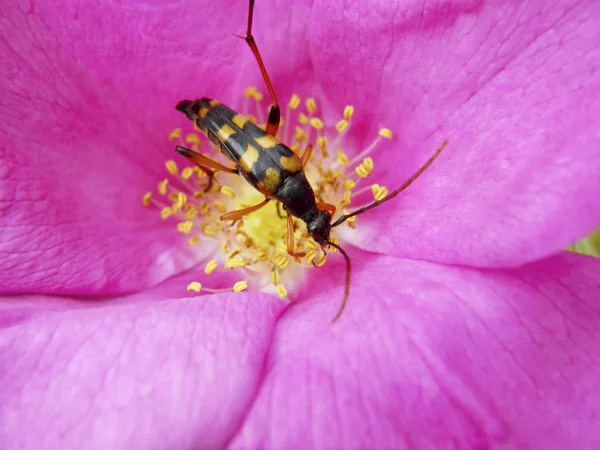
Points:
(467, 325)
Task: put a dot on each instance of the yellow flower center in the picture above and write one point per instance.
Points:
(256, 244)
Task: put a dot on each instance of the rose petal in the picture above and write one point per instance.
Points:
(511, 85)
(179, 373)
(89, 97)
(430, 356)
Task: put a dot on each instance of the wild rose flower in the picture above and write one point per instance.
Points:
(467, 325)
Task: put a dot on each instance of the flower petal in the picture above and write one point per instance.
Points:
(432, 356)
(88, 102)
(179, 373)
(513, 87)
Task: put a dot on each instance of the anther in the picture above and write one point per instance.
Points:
(194, 286)
(171, 167)
(282, 291)
(211, 266)
(240, 286)
(147, 198)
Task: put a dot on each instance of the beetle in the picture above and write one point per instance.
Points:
(270, 166)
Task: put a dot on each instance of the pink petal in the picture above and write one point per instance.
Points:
(178, 373)
(430, 356)
(88, 103)
(512, 85)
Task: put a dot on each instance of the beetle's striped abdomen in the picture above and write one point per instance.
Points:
(261, 159)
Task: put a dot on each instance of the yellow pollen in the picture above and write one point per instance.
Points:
(352, 220)
(250, 91)
(223, 247)
(379, 192)
(349, 184)
(294, 102)
(181, 199)
(193, 138)
(193, 241)
(240, 286)
(187, 173)
(341, 126)
(322, 142)
(282, 291)
(310, 255)
(175, 134)
(386, 133)
(302, 119)
(171, 167)
(275, 277)
(194, 286)
(165, 213)
(319, 262)
(348, 112)
(281, 261)
(235, 262)
(220, 207)
(190, 211)
(317, 123)
(211, 266)
(185, 227)
(311, 105)
(341, 157)
(146, 199)
(162, 186)
(364, 169)
(209, 230)
(229, 192)
(300, 134)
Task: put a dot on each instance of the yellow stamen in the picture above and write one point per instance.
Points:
(294, 102)
(193, 138)
(171, 167)
(147, 198)
(341, 126)
(229, 192)
(364, 169)
(386, 133)
(193, 241)
(211, 266)
(379, 192)
(240, 286)
(165, 213)
(185, 227)
(194, 286)
(175, 134)
(275, 277)
(282, 291)
(317, 123)
(348, 112)
(162, 186)
(341, 157)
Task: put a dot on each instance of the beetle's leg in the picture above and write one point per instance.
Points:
(327, 207)
(207, 165)
(278, 207)
(237, 214)
(290, 239)
(204, 162)
(274, 112)
(306, 155)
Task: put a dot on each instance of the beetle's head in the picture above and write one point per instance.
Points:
(320, 226)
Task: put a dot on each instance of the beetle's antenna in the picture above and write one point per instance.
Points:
(407, 183)
(347, 285)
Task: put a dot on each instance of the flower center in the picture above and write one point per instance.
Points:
(256, 244)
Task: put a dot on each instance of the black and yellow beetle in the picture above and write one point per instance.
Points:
(270, 166)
